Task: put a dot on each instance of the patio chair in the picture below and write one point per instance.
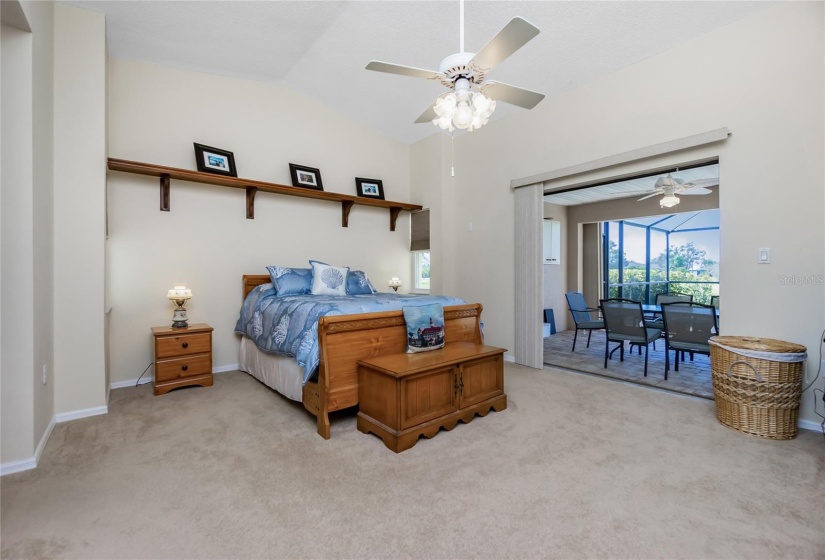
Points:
(582, 316)
(714, 301)
(624, 322)
(688, 326)
(671, 297)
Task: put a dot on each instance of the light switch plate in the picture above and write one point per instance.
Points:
(764, 255)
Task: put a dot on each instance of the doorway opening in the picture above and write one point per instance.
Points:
(622, 242)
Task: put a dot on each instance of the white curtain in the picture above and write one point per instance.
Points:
(529, 205)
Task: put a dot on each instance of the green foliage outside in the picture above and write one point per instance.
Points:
(423, 266)
(688, 267)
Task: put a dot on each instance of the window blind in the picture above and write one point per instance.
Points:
(420, 231)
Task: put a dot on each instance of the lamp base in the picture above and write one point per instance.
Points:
(395, 288)
(179, 319)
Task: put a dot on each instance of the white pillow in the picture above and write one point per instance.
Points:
(329, 280)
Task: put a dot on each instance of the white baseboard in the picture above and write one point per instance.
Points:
(17, 466)
(78, 414)
(30, 463)
(149, 379)
(43, 440)
(809, 425)
(130, 383)
(509, 358)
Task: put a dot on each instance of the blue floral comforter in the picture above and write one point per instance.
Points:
(288, 325)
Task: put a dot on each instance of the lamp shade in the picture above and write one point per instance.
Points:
(179, 292)
(394, 283)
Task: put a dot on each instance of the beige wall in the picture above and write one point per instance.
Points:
(555, 279)
(155, 115)
(79, 211)
(41, 18)
(764, 78)
(27, 189)
(16, 202)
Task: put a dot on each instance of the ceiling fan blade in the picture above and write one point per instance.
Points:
(657, 193)
(701, 183)
(511, 94)
(511, 38)
(390, 68)
(427, 116)
(695, 190)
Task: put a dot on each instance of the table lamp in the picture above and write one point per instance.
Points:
(179, 294)
(395, 283)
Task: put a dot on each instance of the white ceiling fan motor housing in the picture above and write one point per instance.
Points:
(458, 66)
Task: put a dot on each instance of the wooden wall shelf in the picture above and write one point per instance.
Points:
(252, 188)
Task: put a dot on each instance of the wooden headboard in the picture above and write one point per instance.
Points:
(251, 281)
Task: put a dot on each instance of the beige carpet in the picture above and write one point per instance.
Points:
(576, 467)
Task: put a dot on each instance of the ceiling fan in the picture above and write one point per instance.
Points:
(670, 186)
(464, 108)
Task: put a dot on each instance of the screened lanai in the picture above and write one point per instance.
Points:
(625, 239)
(673, 253)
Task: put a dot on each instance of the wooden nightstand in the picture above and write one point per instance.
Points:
(183, 357)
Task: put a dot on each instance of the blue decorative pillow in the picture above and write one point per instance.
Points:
(290, 281)
(358, 283)
(328, 280)
(425, 327)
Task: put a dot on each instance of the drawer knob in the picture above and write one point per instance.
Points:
(185, 345)
(184, 367)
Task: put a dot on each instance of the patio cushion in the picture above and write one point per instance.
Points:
(690, 347)
(652, 334)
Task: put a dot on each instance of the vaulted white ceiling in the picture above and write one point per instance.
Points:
(320, 48)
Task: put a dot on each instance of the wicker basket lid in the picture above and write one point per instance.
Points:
(759, 344)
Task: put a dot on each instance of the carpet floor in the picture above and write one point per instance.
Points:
(576, 467)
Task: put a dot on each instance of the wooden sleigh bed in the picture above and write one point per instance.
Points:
(345, 339)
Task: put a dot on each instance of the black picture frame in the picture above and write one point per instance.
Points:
(215, 160)
(306, 177)
(369, 188)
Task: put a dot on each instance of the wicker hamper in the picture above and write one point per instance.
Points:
(757, 383)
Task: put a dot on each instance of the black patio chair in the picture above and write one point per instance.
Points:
(624, 322)
(582, 316)
(688, 326)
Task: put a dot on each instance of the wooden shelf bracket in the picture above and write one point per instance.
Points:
(164, 193)
(250, 202)
(346, 206)
(394, 212)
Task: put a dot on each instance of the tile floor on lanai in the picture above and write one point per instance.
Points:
(693, 378)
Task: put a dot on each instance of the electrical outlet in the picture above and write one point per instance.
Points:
(45, 373)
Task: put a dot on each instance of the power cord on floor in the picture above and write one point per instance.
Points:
(808, 386)
(141, 375)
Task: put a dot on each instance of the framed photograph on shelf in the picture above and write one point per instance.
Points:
(305, 177)
(215, 160)
(369, 188)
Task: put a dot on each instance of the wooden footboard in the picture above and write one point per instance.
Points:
(345, 339)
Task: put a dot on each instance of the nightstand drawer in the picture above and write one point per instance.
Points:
(183, 345)
(183, 367)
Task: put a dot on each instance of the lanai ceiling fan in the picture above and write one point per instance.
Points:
(464, 108)
(670, 186)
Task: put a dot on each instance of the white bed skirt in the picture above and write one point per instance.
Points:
(277, 372)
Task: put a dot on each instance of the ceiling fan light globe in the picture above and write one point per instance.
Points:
(444, 123)
(481, 103)
(463, 115)
(669, 201)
